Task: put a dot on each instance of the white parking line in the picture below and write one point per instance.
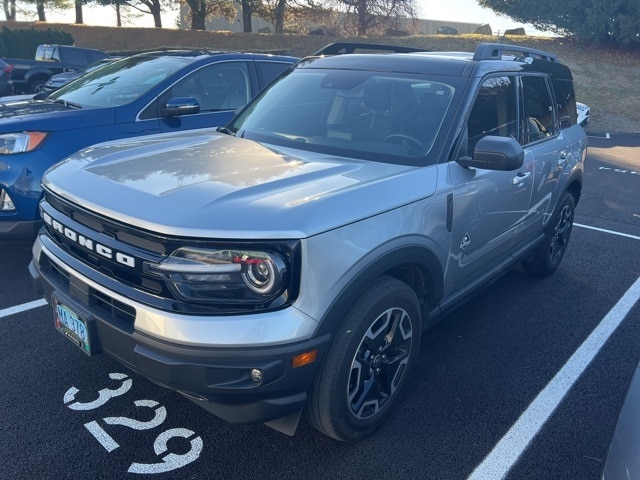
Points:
(506, 453)
(21, 308)
(612, 232)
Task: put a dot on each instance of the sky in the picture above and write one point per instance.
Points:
(446, 10)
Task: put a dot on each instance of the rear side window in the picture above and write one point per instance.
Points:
(268, 71)
(76, 58)
(566, 102)
(538, 109)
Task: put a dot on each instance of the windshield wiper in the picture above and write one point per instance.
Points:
(67, 103)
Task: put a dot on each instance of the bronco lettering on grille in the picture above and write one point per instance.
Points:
(88, 243)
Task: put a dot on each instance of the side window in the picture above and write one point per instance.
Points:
(538, 108)
(76, 58)
(566, 101)
(494, 111)
(217, 87)
(268, 71)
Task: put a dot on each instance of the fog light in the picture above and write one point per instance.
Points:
(256, 375)
(6, 204)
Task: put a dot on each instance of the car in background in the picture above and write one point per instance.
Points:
(622, 459)
(61, 79)
(144, 94)
(6, 87)
(583, 113)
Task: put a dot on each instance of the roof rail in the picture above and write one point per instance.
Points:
(340, 48)
(494, 51)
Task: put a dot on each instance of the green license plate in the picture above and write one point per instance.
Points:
(73, 325)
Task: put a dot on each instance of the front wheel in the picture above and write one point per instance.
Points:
(367, 363)
(547, 256)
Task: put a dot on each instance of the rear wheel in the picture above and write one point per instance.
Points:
(548, 255)
(36, 85)
(367, 363)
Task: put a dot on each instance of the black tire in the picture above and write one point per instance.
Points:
(367, 363)
(36, 85)
(548, 255)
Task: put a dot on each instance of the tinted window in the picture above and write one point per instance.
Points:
(538, 108)
(75, 58)
(566, 101)
(268, 71)
(494, 111)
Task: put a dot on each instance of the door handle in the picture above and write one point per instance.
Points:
(521, 177)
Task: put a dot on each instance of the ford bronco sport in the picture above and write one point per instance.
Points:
(289, 262)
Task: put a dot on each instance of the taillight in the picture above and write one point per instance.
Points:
(7, 68)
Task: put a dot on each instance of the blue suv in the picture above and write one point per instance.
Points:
(143, 94)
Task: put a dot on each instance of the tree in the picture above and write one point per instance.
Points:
(40, 7)
(152, 7)
(366, 15)
(605, 21)
(202, 10)
(78, 5)
(9, 9)
(247, 13)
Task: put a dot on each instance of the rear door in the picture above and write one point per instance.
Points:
(548, 143)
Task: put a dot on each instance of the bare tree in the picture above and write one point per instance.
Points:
(79, 17)
(202, 10)
(152, 7)
(364, 16)
(9, 9)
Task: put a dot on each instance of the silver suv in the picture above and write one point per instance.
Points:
(289, 262)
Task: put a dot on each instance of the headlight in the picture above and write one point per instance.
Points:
(225, 276)
(20, 142)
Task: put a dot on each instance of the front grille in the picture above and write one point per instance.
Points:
(113, 229)
(118, 238)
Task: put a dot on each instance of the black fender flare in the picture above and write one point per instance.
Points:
(379, 262)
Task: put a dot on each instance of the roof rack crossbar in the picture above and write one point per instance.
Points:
(494, 51)
(340, 48)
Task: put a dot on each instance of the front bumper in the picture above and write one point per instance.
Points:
(19, 230)
(218, 378)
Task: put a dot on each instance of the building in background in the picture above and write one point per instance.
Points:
(396, 26)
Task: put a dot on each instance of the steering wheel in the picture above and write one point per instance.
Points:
(406, 140)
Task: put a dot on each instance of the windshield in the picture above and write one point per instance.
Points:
(388, 117)
(119, 82)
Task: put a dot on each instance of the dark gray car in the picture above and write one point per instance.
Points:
(6, 87)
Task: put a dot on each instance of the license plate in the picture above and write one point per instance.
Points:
(73, 325)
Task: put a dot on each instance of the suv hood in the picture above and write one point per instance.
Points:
(204, 184)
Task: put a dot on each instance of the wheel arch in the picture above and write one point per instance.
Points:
(415, 265)
(575, 189)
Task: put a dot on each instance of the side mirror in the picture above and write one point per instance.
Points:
(177, 106)
(495, 153)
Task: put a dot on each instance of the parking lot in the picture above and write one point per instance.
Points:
(525, 381)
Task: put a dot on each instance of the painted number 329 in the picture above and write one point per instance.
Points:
(170, 461)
